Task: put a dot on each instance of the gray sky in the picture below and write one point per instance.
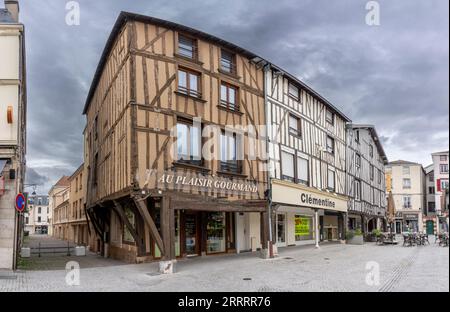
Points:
(394, 75)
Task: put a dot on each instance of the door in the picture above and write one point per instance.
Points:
(242, 232)
(398, 227)
(191, 234)
(430, 227)
(281, 230)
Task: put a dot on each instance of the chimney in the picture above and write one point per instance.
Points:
(13, 7)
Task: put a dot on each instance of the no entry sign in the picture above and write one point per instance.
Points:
(20, 202)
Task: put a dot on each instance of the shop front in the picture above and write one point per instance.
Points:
(303, 215)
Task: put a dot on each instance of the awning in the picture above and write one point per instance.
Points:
(2, 165)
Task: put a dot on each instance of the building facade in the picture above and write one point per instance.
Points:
(78, 226)
(37, 217)
(440, 164)
(55, 198)
(161, 92)
(366, 181)
(61, 215)
(407, 184)
(12, 130)
(307, 151)
(429, 218)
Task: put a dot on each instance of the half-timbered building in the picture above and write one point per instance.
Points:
(163, 96)
(307, 152)
(366, 181)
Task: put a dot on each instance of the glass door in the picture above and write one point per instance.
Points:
(216, 233)
(191, 225)
(281, 229)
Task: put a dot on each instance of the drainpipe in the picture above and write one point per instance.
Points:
(266, 102)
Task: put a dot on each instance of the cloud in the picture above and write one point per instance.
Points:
(394, 75)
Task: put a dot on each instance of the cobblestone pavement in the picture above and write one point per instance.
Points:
(331, 268)
(57, 261)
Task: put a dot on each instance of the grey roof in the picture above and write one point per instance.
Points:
(5, 17)
(127, 16)
(440, 153)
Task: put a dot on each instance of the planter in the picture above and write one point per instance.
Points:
(356, 240)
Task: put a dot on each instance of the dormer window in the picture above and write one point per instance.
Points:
(228, 62)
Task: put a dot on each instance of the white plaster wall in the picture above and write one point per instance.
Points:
(9, 96)
(9, 56)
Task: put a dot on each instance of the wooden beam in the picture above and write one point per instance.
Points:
(142, 208)
(118, 208)
(166, 229)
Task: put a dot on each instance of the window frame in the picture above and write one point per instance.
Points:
(329, 111)
(233, 63)
(295, 132)
(358, 160)
(358, 189)
(192, 159)
(443, 166)
(227, 104)
(333, 189)
(194, 47)
(404, 185)
(333, 147)
(188, 91)
(283, 175)
(230, 166)
(290, 94)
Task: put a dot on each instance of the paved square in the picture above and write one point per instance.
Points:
(334, 267)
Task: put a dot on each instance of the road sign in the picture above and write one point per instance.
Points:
(20, 202)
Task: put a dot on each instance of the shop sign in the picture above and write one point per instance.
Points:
(299, 195)
(410, 217)
(186, 181)
(302, 226)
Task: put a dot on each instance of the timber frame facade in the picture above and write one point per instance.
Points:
(138, 95)
(307, 149)
(366, 181)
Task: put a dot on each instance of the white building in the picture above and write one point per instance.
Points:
(37, 220)
(440, 163)
(12, 130)
(407, 183)
(307, 153)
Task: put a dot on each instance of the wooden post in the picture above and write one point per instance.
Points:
(167, 229)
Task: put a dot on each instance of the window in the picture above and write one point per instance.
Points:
(96, 127)
(406, 170)
(302, 171)
(371, 150)
(407, 202)
(294, 91)
(189, 83)
(330, 145)
(228, 97)
(443, 157)
(357, 136)
(330, 116)
(295, 125)
(304, 228)
(357, 189)
(406, 183)
(228, 62)
(331, 180)
(39, 210)
(372, 172)
(288, 166)
(229, 153)
(443, 168)
(431, 177)
(431, 207)
(380, 176)
(358, 161)
(189, 143)
(39, 219)
(187, 47)
(431, 190)
(444, 184)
